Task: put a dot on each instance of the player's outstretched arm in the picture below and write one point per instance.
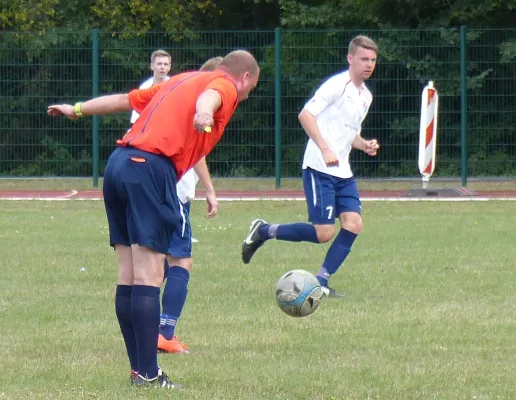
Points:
(99, 106)
(201, 168)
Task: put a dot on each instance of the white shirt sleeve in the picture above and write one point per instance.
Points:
(134, 117)
(145, 85)
(327, 93)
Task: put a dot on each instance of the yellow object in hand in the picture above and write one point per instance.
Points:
(207, 129)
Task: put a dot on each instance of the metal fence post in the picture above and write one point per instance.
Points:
(463, 106)
(95, 39)
(277, 104)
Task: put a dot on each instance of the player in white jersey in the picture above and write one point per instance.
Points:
(179, 256)
(161, 63)
(332, 119)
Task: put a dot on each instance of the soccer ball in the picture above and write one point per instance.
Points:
(298, 293)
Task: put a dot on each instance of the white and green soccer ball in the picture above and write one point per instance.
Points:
(298, 293)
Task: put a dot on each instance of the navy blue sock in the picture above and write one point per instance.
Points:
(337, 253)
(297, 232)
(145, 318)
(173, 300)
(123, 313)
(323, 276)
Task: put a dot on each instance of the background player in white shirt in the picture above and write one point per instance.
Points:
(332, 120)
(180, 251)
(161, 63)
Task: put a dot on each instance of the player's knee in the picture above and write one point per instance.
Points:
(125, 275)
(147, 266)
(187, 265)
(185, 262)
(325, 233)
(353, 223)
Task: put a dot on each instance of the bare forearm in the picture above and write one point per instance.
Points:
(309, 124)
(359, 143)
(201, 169)
(106, 105)
(208, 102)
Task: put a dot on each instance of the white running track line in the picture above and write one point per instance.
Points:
(73, 196)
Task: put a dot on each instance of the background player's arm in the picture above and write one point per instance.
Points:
(201, 169)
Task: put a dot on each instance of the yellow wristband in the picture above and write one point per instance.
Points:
(78, 111)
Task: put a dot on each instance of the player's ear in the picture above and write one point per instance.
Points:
(349, 58)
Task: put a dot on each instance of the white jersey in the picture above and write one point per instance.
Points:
(339, 107)
(186, 185)
(145, 85)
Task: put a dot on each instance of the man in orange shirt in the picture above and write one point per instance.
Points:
(180, 122)
(175, 291)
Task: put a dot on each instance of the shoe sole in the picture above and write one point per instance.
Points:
(161, 351)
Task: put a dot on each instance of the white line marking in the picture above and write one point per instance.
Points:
(73, 193)
(73, 196)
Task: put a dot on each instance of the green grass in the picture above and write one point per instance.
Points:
(429, 313)
(264, 184)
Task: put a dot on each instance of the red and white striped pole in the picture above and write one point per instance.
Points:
(428, 132)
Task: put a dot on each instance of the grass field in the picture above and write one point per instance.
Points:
(266, 184)
(429, 313)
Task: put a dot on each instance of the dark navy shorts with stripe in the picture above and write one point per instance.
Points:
(328, 196)
(181, 244)
(140, 197)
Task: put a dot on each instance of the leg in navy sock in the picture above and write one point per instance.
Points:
(297, 232)
(123, 314)
(145, 318)
(173, 300)
(337, 253)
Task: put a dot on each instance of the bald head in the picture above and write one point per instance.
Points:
(244, 70)
(239, 62)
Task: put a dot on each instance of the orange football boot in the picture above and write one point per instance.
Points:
(173, 345)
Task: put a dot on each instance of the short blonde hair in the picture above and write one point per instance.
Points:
(211, 64)
(159, 53)
(364, 42)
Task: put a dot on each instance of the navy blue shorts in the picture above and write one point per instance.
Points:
(140, 199)
(181, 244)
(328, 196)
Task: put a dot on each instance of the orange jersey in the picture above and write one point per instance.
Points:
(165, 125)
